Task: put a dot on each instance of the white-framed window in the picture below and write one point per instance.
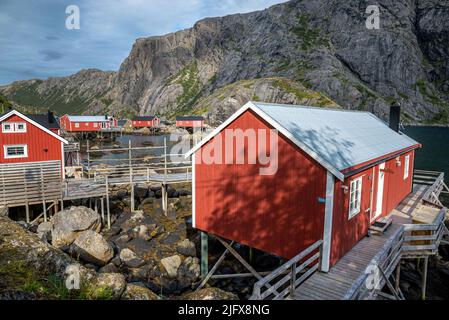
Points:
(15, 151)
(95, 124)
(355, 197)
(12, 127)
(406, 166)
(77, 125)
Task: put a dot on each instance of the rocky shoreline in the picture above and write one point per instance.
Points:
(145, 255)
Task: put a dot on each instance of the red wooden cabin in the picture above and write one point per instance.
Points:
(145, 122)
(30, 138)
(328, 161)
(87, 123)
(190, 122)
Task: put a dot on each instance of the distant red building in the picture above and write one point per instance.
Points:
(87, 123)
(145, 122)
(338, 172)
(30, 138)
(190, 122)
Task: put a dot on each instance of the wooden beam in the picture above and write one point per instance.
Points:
(204, 254)
(424, 278)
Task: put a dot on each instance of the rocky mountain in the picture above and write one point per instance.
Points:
(286, 53)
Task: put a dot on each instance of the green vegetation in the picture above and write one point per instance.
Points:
(320, 99)
(4, 103)
(191, 88)
(310, 37)
(17, 275)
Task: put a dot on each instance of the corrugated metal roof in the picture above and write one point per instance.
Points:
(88, 118)
(144, 118)
(342, 138)
(190, 118)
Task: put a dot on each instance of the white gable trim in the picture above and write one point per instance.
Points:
(17, 113)
(275, 125)
(328, 215)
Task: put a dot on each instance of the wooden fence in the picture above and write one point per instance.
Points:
(30, 183)
(284, 281)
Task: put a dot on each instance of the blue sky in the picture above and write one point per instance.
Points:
(34, 42)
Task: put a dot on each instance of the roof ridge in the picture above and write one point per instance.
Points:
(293, 106)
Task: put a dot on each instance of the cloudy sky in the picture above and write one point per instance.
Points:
(35, 43)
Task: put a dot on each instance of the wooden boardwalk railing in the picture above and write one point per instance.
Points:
(435, 181)
(283, 281)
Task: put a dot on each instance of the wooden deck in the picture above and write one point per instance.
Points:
(372, 260)
(341, 278)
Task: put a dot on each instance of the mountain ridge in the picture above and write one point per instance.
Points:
(319, 46)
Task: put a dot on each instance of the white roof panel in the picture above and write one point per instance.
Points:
(88, 118)
(342, 138)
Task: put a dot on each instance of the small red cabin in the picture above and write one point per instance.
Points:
(190, 122)
(87, 123)
(145, 122)
(30, 138)
(279, 178)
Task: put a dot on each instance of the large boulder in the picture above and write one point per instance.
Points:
(171, 265)
(113, 282)
(140, 190)
(44, 231)
(91, 247)
(138, 291)
(189, 272)
(67, 225)
(130, 259)
(186, 248)
(210, 294)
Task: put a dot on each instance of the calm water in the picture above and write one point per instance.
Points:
(122, 142)
(435, 152)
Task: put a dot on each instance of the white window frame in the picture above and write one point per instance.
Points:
(355, 197)
(14, 127)
(10, 130)
(77, 125)
(5, 151)
(406, 167)
(95, 125)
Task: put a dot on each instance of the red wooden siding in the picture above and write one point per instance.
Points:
(280, 214)
(41, 146)
(93, 126)
(190, 123)
(146, 123)
(346, 233)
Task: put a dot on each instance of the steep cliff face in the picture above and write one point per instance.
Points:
(315, 45)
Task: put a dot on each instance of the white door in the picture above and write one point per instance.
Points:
(380, 190)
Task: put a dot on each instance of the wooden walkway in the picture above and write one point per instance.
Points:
(341, 278)
(370, 264)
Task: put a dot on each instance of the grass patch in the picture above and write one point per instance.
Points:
(310, 37)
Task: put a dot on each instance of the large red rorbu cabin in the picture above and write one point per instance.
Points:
(145, 122)
(190, 122)
(30, 139)
(338, 171)
(87, 123)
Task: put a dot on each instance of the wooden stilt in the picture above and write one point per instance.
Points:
(107, 204)
(204, 255)
(424, 278)
(398, 276)
(214, 268)
(102, 209)
(44, 207)
(27, 212)
(163, 199)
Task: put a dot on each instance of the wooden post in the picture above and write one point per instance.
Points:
(131, 176)
(107, 204)
(164, 191)
(88, 159)
(102, 209)
(398, 276)
(204, 255)
(424, 278)
(27, 212)
(44, 207)
(293, 280)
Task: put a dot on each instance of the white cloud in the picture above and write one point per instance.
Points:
(34, 40)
